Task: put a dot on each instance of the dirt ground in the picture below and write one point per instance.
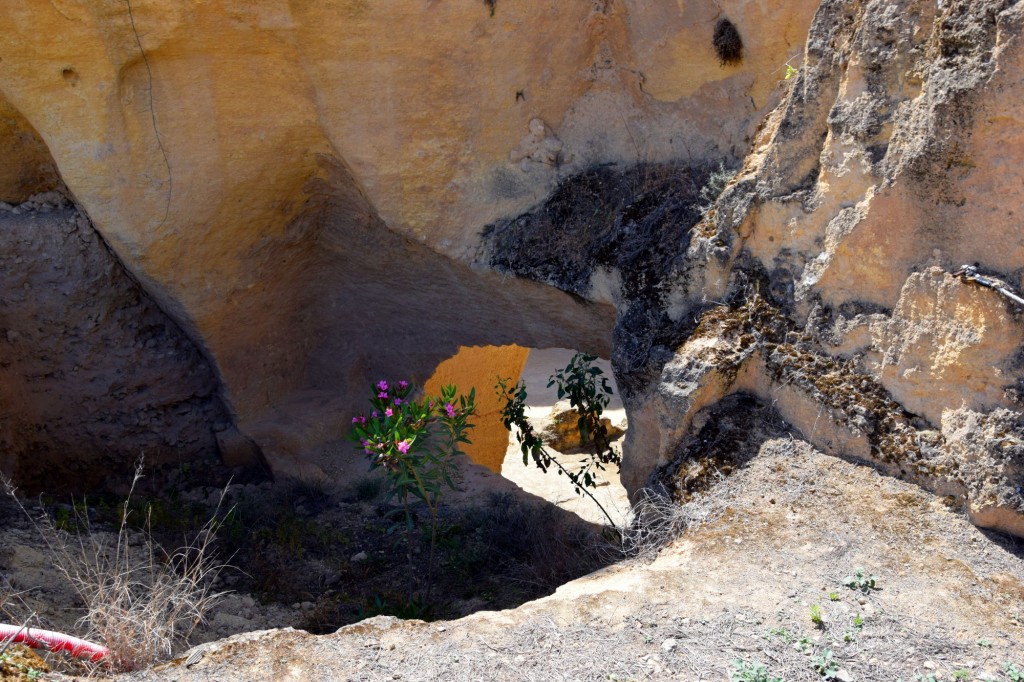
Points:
(755, 576)
(768, 547)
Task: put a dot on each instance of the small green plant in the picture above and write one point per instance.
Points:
(783, 634)
(984, 643)
(415, 442)
(804, 643)
(790, 71)
(865, 582)
(745, 671)
(588, 393)
(1013, 672)
(825, 665)
(851, 634)
(404, 610)
(833, 596)
(962, 674)
(816, 615)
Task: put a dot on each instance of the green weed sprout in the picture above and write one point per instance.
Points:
(744, 671)
(865, 582)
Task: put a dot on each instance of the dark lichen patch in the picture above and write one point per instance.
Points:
(730, 435)
(792, 358)
(637, 221)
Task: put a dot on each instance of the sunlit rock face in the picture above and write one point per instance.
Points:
(828, 278)
(259, 168)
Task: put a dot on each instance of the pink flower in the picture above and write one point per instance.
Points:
(374, 414)
(449, 410)
(403, 446)
(382, 385)
(398, 401)
(382, 394)
(359, 420)
(403, 385)
(388, 412)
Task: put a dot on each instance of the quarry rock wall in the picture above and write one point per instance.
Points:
(828, 277)
(93, 374)
(250, 164)
(321, 194)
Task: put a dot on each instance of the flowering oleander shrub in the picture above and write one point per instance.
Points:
(415, 442)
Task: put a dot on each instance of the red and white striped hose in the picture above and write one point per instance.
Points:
(54, 641)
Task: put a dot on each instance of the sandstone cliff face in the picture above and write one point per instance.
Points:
(881, 173)
(250, 164)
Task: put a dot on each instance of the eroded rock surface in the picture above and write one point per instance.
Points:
(875, 180)
(204, 141)
(824, 280)
(92, 372)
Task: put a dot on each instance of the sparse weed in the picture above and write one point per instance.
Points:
(851, 634)
(1014, 673)
(865, 582)
(825, 665)
(713, 188)
(816, 615)
(657, 521)
(961, 674)
(367, 489)
(984, 643)
(397, 606)
(745, 671)
(833, 596)
(783, 634)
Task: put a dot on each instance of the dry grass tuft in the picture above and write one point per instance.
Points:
(658, 520)
(141, 602)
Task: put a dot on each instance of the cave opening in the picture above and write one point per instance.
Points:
(556, 422)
